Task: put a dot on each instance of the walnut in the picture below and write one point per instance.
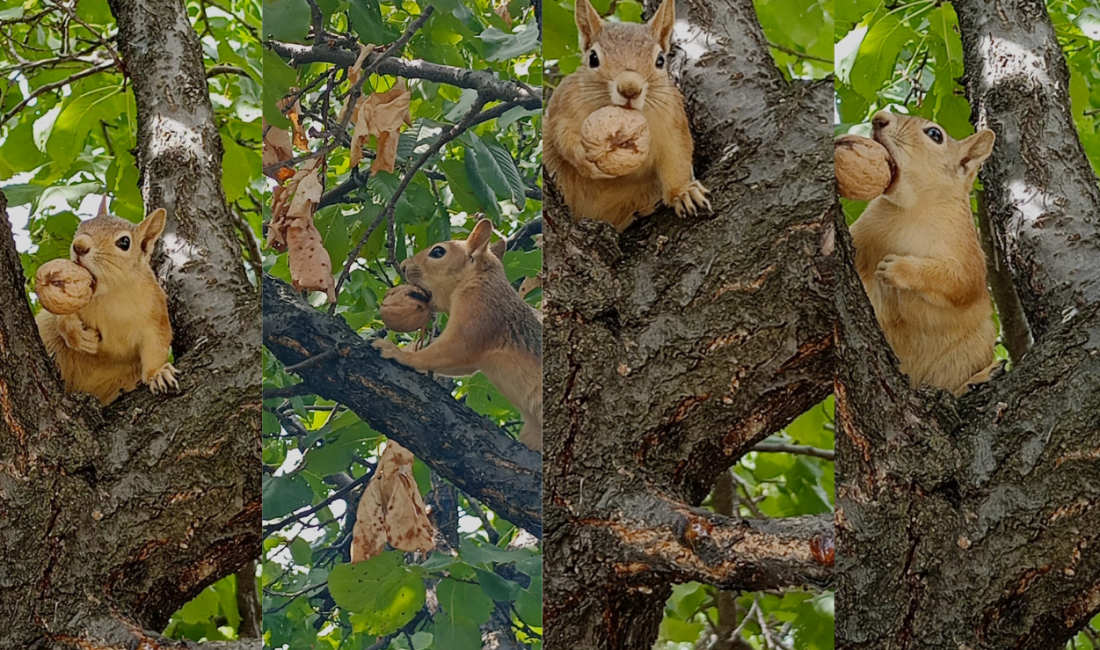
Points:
(863, 167)
(615, 139)
(405, 308)
(63, 287)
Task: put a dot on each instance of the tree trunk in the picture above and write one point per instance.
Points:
(114, 518)
(673, 348)
(971, 523)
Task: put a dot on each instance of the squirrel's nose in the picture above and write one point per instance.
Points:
(629, 85)
(80, 248)
(881, 120)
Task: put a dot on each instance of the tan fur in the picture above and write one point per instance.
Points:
(627, 75)
(122, 336)
(918, 255)
(490, 328)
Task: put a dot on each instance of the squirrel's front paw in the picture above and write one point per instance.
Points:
(81, 339)
(691, 199)
(891, 272)
(161, 380)
(386, 347)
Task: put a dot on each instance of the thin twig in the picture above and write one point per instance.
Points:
(356, 90)
(339, 494)
(800, 450)
(796, 53)
(54, 86)
(472, 118)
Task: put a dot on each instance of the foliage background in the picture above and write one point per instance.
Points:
(66, 138)
(907, 57)
(313, 449)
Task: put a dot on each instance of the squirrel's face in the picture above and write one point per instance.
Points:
(927, 161)
(625, 64)
(113, 249)
(440, 268)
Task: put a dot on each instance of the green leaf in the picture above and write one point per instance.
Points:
(677, 631)
(465, 602)
(879, 51)
(287, 20)
(278, 79)
(366, 20)
(455, 635)
(234, 165)
(300, 551)
(383, 593)
(283, 495)
(496, 587)
(501, 46)
(522, 264)
(529, 604)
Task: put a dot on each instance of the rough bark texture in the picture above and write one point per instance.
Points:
(972, 522)
(1041, 192)
(673, 348)
(114, 518)
(457, 443)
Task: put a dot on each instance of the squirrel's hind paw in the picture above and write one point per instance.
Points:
(163, 379)
(691, 199)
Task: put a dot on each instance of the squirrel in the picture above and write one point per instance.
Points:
(919, 258)
(625, 65)
(122, 336)
(490, 327)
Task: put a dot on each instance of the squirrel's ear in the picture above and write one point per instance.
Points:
(149, 231)
(102, 207)
(660, 25)
(479, 237)
(975, 150)
(588, 24)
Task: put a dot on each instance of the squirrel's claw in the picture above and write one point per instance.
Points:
(691, 199)
(163, 379)
(386, 347)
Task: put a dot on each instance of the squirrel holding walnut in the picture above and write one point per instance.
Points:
(117, 333)
(917, 252)
(598, 145)
(490, 328)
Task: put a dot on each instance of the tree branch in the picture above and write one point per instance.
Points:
(493, 88)
(676, 543)
(1041, 191)
(463, 447)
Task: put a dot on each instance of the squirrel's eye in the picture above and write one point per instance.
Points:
(593, 60)
(935, 134)
(437, 252)
(660, 60)
(123, 243)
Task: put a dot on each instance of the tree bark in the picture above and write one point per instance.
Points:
(675, 347)
(114, 518)
(475, 455)
(971, 523)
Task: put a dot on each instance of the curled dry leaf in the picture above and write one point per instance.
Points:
(277, 148)
(391, 509)
(502, 11)
(354, 73)
(381, 115)
(310, 265)
(280, 207)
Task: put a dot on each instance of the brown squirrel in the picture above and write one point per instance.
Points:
(490, 327)
(624, 65)
(123, 335)
(919, 258)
